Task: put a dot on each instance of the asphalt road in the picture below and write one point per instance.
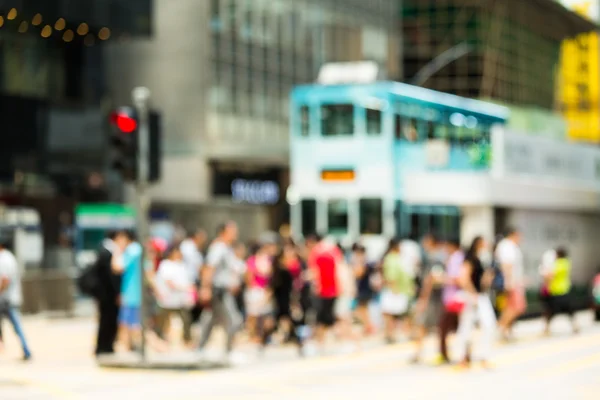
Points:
(563, 366)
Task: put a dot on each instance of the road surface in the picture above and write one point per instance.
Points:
(563, 366)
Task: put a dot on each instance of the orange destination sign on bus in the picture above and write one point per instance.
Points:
(338, 175)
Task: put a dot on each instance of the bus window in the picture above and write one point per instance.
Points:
(430, 130)
(441, 131)
(337, 120)
(308, 209)
(337, 217)
(373, 122)
(410, 131)
(485, 134)
(413, 229)
(398, 126)
(304, 121)
(370, 216)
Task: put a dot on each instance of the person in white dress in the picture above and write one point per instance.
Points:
(176, 295)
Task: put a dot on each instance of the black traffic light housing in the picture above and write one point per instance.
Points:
(124, 139)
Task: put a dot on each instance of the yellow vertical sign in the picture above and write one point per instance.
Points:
(578, 81)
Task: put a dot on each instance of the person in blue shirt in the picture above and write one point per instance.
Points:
(128, 262)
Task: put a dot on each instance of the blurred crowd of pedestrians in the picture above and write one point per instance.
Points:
(277, 291)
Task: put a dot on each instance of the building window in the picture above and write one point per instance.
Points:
(308, 209)
(215, 22)
(373, 122)
(370, 216)
(246, 31)
(337, 120)
(304, 121)
(337, 217)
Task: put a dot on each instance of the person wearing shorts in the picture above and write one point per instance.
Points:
(258, 305)
(323, 261)
(559, 288)
(128, 263)
(429, 306)
(510, 257)
(399, 289)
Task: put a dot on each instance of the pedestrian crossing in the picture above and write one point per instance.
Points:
(532, 360)
(529, 364)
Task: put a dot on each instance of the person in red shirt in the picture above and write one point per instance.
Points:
(323, 258)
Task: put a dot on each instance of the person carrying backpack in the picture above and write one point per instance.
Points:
(104, 286)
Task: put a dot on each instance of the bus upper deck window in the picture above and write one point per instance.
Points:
(370, 216)
(441, 131)
(308, 209)
(398, 126)
(430, 130)
(411, 132)
(304, 121)
(373, 122)
(337, 120)
(337, 217)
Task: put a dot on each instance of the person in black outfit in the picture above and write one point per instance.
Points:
(476, 280)
(109, 288)
(290, 293)
(363, 272)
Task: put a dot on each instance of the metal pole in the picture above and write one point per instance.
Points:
(140, 96)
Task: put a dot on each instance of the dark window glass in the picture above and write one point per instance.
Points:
(337, 217)
(371, 216)
(430, 130)
(441, 131)
(337, 120)
(398, 126)
(308, 209)
(304, 121)
(413, 230)
(410, 131)
(215, 21)
(373, 122)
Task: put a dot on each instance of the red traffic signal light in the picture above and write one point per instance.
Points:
(123, 121)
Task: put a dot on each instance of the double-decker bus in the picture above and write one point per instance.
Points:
(375, 160)
(352, 144)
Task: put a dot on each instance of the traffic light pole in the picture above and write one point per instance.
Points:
(141, 96)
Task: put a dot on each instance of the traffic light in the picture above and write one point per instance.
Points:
(124, 143)
(155, 150)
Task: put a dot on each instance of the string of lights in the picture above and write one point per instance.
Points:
(62, 28)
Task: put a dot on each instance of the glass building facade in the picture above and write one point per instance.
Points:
(513, 46)
(261, 48)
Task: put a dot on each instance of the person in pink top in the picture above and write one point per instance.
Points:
(259, 270)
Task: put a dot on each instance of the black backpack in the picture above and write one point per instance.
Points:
(88, 281)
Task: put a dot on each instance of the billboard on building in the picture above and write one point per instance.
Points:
(578, 82)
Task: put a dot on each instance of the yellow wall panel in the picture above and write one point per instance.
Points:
(579, 85)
